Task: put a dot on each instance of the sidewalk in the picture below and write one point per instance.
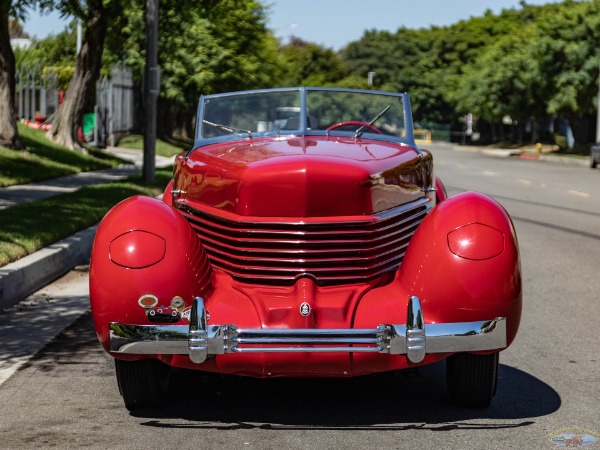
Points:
(27, 327)
(31, 273)
(545, 156)
(20, 193)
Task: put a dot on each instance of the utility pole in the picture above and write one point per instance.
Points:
(152, 88)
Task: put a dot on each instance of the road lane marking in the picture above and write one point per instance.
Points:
(524, 181)
(578, 194)
(489, 173)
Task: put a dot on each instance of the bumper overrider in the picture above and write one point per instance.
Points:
(413, 339)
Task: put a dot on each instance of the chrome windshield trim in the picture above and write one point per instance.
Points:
(415, 339)
(303, 129)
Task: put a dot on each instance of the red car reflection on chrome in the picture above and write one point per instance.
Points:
(315, 245)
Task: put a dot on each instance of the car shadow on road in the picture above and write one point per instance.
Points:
(392, 401)
(386, 402)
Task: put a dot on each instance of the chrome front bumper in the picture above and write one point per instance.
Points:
(415, 339)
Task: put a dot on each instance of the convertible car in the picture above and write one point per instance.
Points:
(305, 235)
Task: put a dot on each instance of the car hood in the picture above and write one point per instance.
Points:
(302, 177)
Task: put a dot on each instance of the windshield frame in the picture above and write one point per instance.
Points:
(303, 129)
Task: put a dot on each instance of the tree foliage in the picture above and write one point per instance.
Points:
(309, 64)
(55, 50)
(525, 63)
(215, 46)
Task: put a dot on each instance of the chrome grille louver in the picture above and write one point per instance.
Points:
(329, 252)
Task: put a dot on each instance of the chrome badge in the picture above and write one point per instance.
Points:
(305, 309)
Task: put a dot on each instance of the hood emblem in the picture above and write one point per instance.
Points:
(305, 309)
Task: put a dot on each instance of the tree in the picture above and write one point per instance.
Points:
(55, 50)
(504, 80)
(402, 61)
(307, 63)
(9, 134)
(216, 46)
(567, 51)
(376, 51)
(95, 15)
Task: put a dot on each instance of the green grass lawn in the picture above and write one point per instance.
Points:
(28, 227)
(163, 148)
(44, 160)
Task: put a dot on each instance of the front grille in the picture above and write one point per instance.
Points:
(329, 252)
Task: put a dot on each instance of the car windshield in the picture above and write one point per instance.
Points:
(303, 111)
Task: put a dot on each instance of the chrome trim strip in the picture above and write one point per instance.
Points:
(198, 337)
(415, 332)
(308, 349)
(254, 226)
(148, 339)
(415, 339)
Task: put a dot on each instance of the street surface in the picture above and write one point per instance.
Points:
(549, 382)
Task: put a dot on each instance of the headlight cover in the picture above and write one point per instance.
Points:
(476, 241)
(137, 249)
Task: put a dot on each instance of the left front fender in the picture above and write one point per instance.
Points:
(463, 264)
(146, 260)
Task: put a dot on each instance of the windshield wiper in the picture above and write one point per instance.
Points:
(360, 131)
(231, 130)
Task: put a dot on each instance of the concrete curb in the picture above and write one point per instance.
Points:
(565, 160)
(31, 273)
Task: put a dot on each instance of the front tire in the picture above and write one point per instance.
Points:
(593, 163)
(472, 379)
(142, 383)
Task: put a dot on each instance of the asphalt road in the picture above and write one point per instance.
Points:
(67, 397)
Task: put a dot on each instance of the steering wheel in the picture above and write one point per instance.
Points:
(357, 123)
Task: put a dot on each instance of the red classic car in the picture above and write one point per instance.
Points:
(305, 235)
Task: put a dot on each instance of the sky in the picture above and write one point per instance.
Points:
(335, 23)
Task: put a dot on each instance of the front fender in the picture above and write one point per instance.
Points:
(463, 264)
(144, 247)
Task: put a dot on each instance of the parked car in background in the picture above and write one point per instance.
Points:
(319, 244)
(594, 156)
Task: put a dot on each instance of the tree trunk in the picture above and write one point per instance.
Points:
(69, 117)
(9, 134)
(535, 130)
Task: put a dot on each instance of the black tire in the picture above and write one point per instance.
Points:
(142, 383)
(593, 163)
(472, 379)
